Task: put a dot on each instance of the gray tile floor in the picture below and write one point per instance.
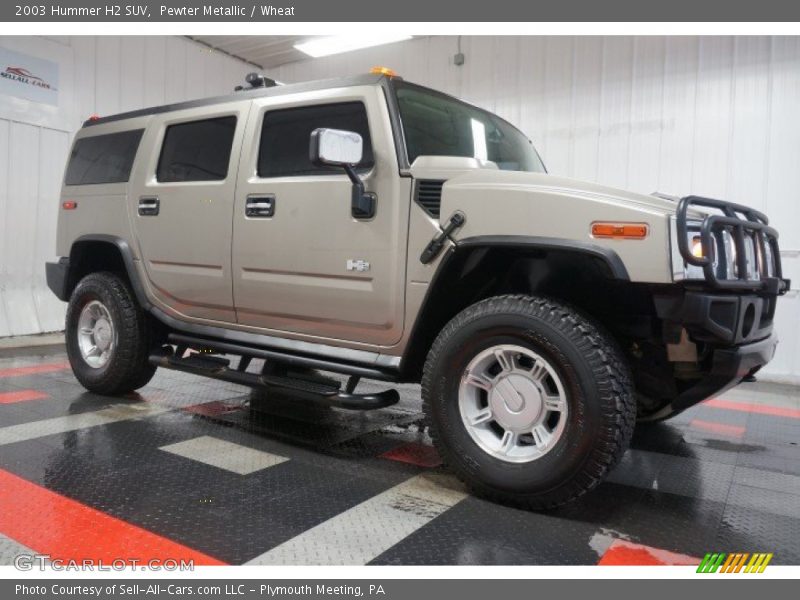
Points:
(241, 478)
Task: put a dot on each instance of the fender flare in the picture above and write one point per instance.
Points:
(127, 260)
(411, 358)
(612, 260)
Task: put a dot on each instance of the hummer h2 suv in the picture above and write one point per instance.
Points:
(374, 228)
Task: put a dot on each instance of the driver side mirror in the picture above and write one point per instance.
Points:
(336, 147)
(339, 148)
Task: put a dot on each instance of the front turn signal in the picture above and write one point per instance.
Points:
(625, 231)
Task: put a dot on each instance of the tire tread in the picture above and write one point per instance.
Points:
(610, 371)
(131, 369)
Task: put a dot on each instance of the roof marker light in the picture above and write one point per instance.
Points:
(383, 71)
(69, 205)
(623, 231)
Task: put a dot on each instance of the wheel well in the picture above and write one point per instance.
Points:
(584, 280)
(91, 256)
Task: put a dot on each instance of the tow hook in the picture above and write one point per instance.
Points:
(434, 247)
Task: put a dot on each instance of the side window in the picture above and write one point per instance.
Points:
(196, 150)
(104, 158)
(286, 136)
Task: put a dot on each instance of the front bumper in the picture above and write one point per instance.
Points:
(728, 367)
(718, 319)
(734, 330)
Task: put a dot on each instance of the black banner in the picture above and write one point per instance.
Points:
(405, 10)
(730, 588)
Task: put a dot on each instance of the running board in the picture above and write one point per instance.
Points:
(218, 368)
(295, 360)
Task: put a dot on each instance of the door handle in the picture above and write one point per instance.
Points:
(260, 206)
(149, 206)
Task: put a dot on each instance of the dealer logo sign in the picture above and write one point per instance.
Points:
(25, 77)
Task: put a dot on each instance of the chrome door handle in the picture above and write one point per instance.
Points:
(149, 206)
(260, 206)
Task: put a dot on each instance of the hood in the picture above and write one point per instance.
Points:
(550, 184)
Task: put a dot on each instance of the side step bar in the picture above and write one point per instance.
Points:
(216, 367)
(295, 360)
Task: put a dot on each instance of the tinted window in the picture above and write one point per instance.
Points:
(286, 136)
(197, 150)
(438, 125)
(103, 158)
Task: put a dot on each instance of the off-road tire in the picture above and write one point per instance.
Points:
(600, 397)
(128, 368)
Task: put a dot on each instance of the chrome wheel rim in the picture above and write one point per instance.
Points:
(513, 403)
(96, 334)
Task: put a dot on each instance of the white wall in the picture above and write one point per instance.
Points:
(97, 75)
(713, 116)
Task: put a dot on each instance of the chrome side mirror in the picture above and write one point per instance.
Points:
(339, 148)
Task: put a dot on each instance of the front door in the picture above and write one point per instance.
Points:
(182, 206)
(302, 263)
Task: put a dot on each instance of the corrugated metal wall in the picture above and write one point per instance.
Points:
(97, 75)
(716, 116)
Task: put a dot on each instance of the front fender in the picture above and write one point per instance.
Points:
(557, 214)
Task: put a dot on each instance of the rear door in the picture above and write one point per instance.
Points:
(182, 206)
(307, 266)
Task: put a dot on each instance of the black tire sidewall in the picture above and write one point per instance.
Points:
(106, 288)
(559, 465)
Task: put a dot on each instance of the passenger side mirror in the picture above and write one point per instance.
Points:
(339, 148)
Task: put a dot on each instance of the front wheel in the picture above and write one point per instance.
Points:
(528, 401)
(108, 336)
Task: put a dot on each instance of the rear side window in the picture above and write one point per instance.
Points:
(104, 158)
(197, 150)
(286, 137)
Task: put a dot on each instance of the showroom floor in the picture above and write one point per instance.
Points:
(197, 469)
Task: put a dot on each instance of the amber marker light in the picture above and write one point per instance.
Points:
(69, 205)
(622, 231)
(383, 71)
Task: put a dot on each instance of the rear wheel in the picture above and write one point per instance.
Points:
(528, 401)
(108, 336)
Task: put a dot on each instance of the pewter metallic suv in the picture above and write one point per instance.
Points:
(375, 228)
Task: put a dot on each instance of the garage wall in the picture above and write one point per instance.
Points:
(714, 116)
(97, 75)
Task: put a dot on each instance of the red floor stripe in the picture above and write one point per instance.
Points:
(622, 553)
(761, 409)
(415, 453)
(213, 409)
(49, 523)
(33, 369)
(21, 396)
(718, 428)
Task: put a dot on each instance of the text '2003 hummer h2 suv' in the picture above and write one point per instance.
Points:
(370, 227)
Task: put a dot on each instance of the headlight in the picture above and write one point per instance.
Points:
(680, 269)
(769, 266)
(723, 256)
(722, 246)
(750, 257)
(729, 255)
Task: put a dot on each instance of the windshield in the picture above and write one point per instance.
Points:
(437, 125)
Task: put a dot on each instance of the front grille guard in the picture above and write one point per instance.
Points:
(754, 223)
